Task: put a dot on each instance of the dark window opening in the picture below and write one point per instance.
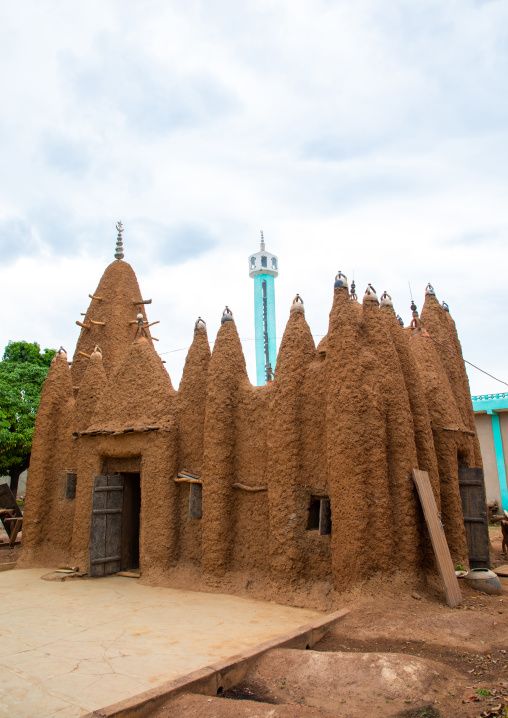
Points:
(195, 501)
(274, 263)
(252, 262)
(70, 486)
(320, 518)
(264, 261)
(313, 519)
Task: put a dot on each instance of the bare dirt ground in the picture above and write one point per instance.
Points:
(393, 655)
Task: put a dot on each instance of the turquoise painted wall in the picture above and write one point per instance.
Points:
(259, 320)
(492, 403)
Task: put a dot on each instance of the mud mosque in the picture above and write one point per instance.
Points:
(293, 490)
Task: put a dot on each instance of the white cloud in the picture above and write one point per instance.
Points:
(367, 136)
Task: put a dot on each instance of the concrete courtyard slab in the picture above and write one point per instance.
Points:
(71, 647)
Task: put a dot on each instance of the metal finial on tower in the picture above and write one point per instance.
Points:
(227, 315)
(297, 305)
(370, 294)
(262, 246)
(119, 242)
(386, 300)
(340, 281)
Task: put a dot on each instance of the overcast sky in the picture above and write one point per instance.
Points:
(363, 135)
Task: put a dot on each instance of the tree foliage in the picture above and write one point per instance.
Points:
(24, 352)
(22, 374)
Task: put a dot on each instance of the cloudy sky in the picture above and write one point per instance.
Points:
(363, 135)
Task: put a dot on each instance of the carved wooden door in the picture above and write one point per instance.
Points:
(474, 508)
(106, 525)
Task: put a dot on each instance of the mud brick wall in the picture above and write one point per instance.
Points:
(341, 426)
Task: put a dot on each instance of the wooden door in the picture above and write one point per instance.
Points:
(474, 508)
(106, 525)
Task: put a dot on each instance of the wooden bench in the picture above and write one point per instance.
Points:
(10, 513)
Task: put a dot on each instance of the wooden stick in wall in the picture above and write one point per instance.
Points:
(185, 474)
(84, 355)
(80, 324)
(142, 301)
(99, 324)
(92, 296)
(249, 488)
(152, 323)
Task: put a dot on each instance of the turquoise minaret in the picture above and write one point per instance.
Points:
(263, 268)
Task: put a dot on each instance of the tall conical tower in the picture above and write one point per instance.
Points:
(263, 267)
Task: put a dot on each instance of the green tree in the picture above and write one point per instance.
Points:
(25, 352)
(22, 374)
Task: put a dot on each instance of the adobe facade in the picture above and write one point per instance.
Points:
(294, 490)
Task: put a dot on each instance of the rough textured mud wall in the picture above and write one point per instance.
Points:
(250, 548)
(139, 393)
(441, 327)
(313, 467)
(118, 290)
(249, 511)
(159, 530)
(225, 373)
(90, 391)
(191, 402)
(371, 445)
(348, 465)
(444, 413)
(401, 453)
(424, 439)
(47, 526)
(288, 508)
(379, 506)
(188, 550)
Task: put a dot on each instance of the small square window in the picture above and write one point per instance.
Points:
(320, 518)
(70, 485)
(195, 501)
